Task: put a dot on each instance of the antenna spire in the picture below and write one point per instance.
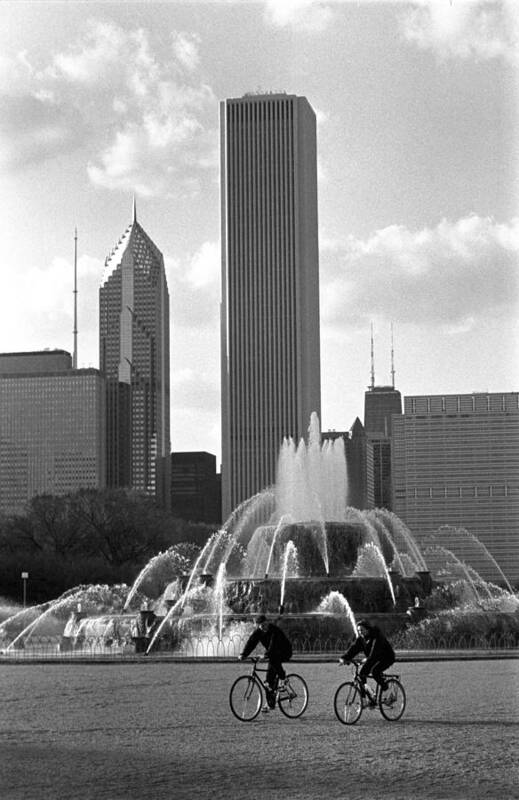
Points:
(74, 357)
(134, 209)
(392, 360)
(372, 361)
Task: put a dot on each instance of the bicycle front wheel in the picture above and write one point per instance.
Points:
(293, 697)
(392, 700)
(348, 703)
(245, 698)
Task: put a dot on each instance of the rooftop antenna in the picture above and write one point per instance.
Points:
(392, 360)
(134, 209)
(74, 357)
(372, 361)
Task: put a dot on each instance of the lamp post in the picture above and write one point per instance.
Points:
(25, 575)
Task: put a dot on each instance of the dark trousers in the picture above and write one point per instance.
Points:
(275, 670)
(376, 666)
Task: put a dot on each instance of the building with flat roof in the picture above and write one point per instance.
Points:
(270, 285)
(35, 361)
(455, 462)
(134, 356)
(195, 487)
(52, 429)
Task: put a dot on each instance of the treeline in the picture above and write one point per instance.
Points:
(86, 537)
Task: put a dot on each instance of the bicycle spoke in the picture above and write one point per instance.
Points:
(245, 698)
(392, 700)
(348, 703)
(293, 696)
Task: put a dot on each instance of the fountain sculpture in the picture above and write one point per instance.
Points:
(296, 550)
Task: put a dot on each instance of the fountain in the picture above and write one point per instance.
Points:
(296, 551)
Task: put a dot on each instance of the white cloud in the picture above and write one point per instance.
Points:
(451, 275)
(307, 15)
(194, 287)
(47, 300)
(205, 266)
(464, 28)
(160, 138)
(36, 128)
(185, 47)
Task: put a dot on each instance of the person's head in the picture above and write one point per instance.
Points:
(262, 622)
(363, 627)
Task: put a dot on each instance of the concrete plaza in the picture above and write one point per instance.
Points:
(164, 730)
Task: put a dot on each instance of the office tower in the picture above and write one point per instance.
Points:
(195, 487)
(359, 464)
(134, 356)
(52, 427)
(270, 285)
(380, 403)
(456, 463)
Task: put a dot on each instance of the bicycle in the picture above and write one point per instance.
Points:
(247, 694)
(351, 698)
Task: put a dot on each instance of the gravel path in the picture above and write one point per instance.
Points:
(114, 731)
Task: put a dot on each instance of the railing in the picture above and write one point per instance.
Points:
(211, 646)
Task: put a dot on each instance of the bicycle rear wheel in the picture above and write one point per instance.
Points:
(293, 697)
(348, 703)
(245, 698)
(392, 700)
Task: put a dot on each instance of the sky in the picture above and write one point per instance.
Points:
(417, 108)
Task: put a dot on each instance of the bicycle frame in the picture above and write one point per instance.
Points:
(356, 679)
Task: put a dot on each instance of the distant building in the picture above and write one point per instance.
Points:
(195, 487)
(359, 465)
(134, 356)
(270, 285)
(455, 462)
(52, 427)
(380, 403)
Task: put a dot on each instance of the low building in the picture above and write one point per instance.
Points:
(52, 427)
(195, 487)
(455, 462)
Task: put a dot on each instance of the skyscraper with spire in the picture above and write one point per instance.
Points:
(270, 285)
(380, 403)
(134, 356)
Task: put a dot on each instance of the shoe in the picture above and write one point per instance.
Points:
(265, 709)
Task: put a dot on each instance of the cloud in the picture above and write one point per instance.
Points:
(306, 15)
(151, 120)
(452, 275)
(463, 28)
(194, 287)
(48, 307)
(34, 129)
(185, 47)
(193, 390)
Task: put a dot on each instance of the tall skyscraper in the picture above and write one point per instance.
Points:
(456, 463)
(270, 285)
(52, 427)
(380, 403)
(134, 356)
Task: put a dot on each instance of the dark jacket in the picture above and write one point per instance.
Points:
(374, 645)
(276, 644)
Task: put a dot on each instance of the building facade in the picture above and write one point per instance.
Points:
(52, 428)
(270, 285)
(359, 465)
(455, 462)
(195, 487)
(134, 356)
(380, 403)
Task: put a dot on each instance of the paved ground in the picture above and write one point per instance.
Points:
(108, 731)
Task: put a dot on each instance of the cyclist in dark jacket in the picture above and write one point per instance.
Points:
(378, 651)
(277, 649)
